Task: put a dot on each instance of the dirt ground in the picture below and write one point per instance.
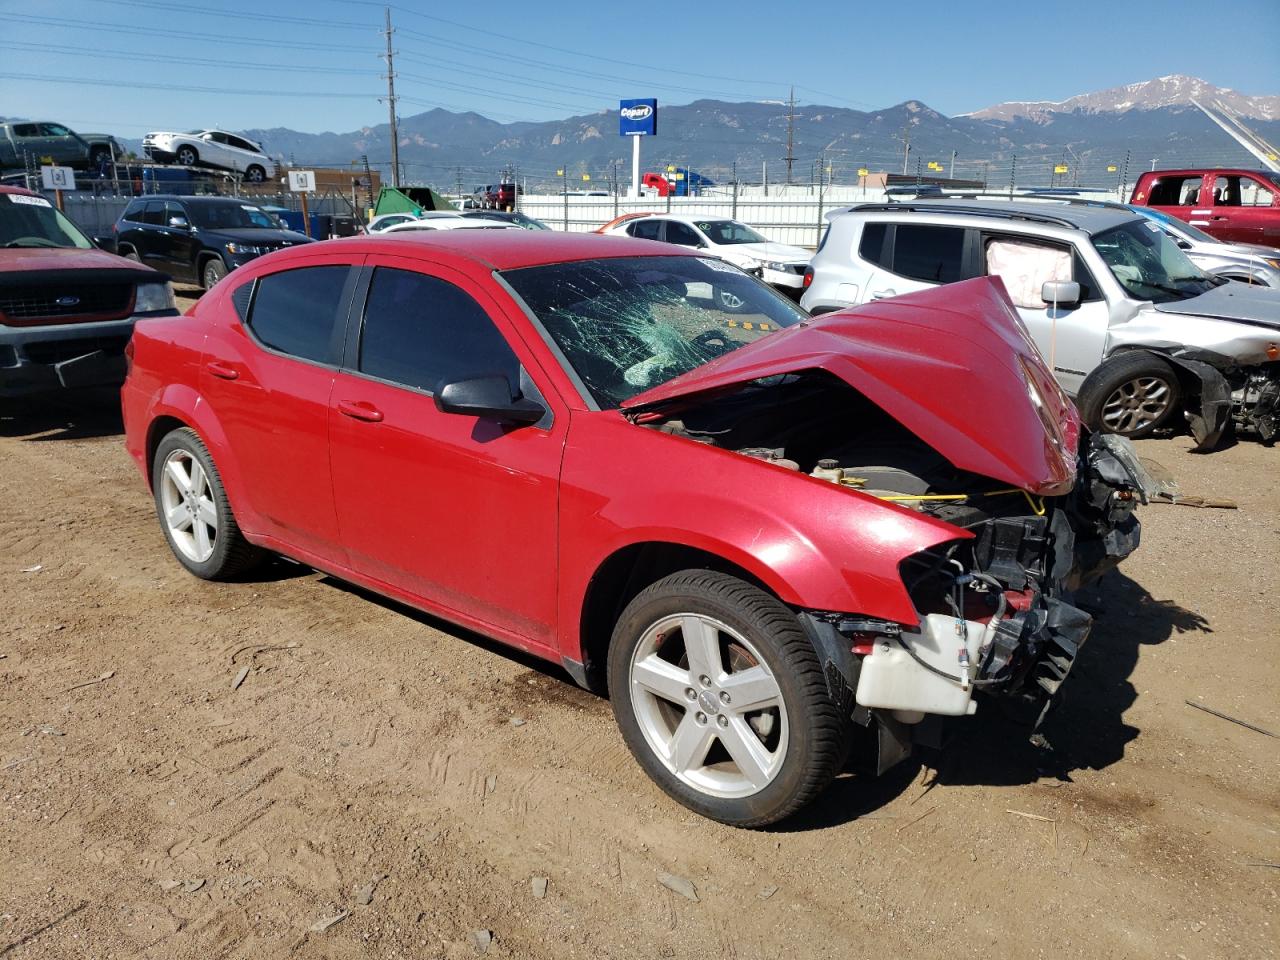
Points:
(415, 780)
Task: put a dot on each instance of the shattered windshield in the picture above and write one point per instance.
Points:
(27, 221)
(723, 232)
(628, 324)
(1149, 264)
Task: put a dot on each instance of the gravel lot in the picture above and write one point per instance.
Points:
(416, 781)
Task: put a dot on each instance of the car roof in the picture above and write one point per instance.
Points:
(245, 201)
(1079, 217)
(5, 188)
(1197, 171)
(495, 249)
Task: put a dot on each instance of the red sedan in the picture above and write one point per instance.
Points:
(756, 531)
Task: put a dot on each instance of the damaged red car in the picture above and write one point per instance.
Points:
(766, 537)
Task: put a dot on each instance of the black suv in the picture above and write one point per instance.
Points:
(199, 239)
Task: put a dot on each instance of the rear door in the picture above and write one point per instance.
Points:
(1242, 209)
(242, 153)
(1071, 339)
(457, 510)
(268, 376)
(180, 242)
(916, 256)
(151, 241)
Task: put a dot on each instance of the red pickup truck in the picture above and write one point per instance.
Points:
(67, 310)
(1238, 206)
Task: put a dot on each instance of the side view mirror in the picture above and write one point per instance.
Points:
(1061, 293)
(179, 223)
(488, 397)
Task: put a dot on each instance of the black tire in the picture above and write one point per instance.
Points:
(818, 737)
(255, 174)
(212, 271)
(1133, 394)
(98, 156)
(187, 156)
(232, 554)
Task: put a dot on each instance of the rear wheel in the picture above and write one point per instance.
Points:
(720, 697)
(1133, 395)
(255, 174)
(187, 156)
(194, 512)
(99, 157)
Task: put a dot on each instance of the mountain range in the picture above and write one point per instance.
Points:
(1150, 123)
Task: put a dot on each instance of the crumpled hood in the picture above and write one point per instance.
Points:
(1241, 302)
(780, 252)
(954, 365)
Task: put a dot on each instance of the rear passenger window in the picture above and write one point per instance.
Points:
(931, 254)
(871, 247)
(421, 332)
(296, 311)
(1175, 192)
(133, 212)
(154, 214)
(646, 229)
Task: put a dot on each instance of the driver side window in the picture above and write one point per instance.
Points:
(421, 331)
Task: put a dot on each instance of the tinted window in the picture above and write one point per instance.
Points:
(241, 144)
(172, 210)
(682, 234)
(54, 130)
(133, 212)
(26, 130)
(932, 254)
(1175, 191)
(646, 229)
(421, 332)
(872, 248)
(154, 214)
(294, 311)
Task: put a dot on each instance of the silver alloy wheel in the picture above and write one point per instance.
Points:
(720, 728)
(1137, 404)
(187, 501)
(186, 156)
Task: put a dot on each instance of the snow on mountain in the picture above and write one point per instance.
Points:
(1174, 90)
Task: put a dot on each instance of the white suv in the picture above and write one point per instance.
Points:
(777, 264)
(210, 148)
(1131, 328)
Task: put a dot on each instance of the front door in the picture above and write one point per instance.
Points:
(269, 379)
(1243, 209)
(457, 510)
(1071, 339)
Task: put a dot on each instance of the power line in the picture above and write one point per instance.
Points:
(222, 91)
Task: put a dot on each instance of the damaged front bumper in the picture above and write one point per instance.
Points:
(997, 616)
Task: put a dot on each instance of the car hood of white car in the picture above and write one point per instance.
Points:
(1231, 301)
(776, 252)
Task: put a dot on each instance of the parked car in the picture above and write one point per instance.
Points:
(1238, 206)
(211, 148)
(757, 531)
(1133, 330)
(66, 308)
(447, 222)
(199, 239)
(385, 220)
(779, 264)
(509, 217)
(31, 141)
(1247, 262)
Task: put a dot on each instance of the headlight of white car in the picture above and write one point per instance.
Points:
(749, 263)
(152, 297)
(775, 265)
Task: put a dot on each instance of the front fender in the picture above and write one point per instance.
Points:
(814, 544)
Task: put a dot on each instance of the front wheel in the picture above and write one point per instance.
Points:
(213, 271)
(719, 696)
(1133, 395)
(187, 156)
(194, 511)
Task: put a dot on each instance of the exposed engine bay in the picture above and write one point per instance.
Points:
(996, 611)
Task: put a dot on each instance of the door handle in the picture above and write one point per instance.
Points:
(881, 294)
(222, 371)
(360, 410)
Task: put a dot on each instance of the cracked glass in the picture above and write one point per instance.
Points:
(629, 324)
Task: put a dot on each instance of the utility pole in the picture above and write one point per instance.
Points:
(391, 106)
(951, 174)
(791, 129)
(906, 147)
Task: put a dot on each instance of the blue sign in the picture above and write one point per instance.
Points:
(638, 117)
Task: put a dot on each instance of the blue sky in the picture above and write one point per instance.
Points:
(128, 66)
